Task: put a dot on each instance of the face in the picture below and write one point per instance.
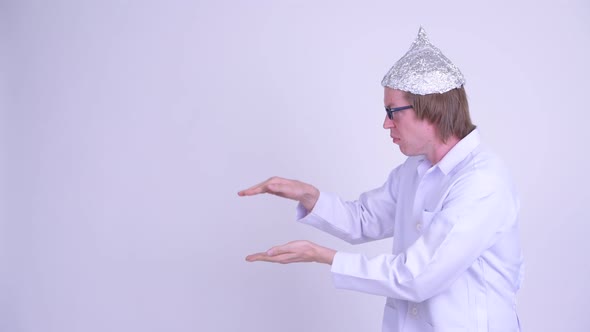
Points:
(414, 136)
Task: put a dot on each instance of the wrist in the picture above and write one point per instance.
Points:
(310, 198)
(325, 255)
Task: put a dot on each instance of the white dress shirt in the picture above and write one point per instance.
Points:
(456, 263)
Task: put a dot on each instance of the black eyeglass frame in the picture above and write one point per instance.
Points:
(391, 110)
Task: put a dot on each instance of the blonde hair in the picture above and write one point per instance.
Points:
(448, 111)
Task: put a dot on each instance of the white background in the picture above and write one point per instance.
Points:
(129, 126)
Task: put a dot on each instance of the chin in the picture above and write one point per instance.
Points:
(403, 151)
(408, 153)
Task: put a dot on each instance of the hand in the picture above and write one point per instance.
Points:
(305, 193)
(295, 252)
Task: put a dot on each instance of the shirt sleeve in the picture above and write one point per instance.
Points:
(369, 218)
(476, 211)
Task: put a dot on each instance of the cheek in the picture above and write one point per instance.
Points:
(406, 127)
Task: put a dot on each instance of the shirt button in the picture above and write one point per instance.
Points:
(414, 311)
(419, 227)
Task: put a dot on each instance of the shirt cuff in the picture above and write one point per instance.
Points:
(341, 262)
(341, 268)
(302, 212)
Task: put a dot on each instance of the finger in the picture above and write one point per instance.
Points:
(260, 188)
(301, 251)
(294, 251)
(268, 255)
(262, 257)
(281, 258)
(293, 246)
(255, 190)
(256, 257)
(278, 250)
(286, 258)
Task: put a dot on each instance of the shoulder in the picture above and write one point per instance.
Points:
(486, 170)
(406, 168)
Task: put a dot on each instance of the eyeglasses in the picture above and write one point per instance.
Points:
(391, 110)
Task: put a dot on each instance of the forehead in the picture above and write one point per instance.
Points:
(395, 98)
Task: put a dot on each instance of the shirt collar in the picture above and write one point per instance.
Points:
(459, 152)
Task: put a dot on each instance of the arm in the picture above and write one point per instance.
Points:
(475, 213)
(369, 218)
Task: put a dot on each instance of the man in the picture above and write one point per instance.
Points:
(456, 263)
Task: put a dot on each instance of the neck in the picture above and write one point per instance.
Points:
(440, 149)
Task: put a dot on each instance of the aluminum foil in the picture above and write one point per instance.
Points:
(423, 70)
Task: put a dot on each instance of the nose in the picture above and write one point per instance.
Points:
(388, 123)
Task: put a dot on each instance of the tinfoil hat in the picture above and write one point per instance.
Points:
(423, 70)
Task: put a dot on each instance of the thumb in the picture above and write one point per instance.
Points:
(276, 250)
